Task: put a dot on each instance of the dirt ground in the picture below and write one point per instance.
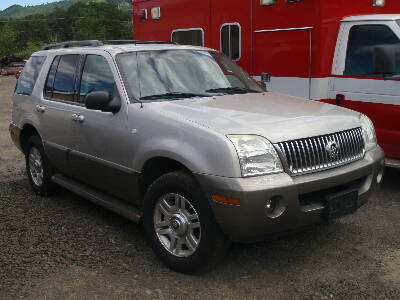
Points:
(64, 247)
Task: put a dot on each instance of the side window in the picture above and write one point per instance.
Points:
(64, 80)
(360, 49)
(48, 89)
(96, 77)
(29, 76)
(231, 40)
(194, 37)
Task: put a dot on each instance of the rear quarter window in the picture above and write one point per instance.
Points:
(29, 76)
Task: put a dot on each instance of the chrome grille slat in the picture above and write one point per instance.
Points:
(313, 162)
(343, 144)
(311, 155)
(298, 151)
(348, 146)
(323, 154)
(318, 166)
(351, 144)
(295, 166)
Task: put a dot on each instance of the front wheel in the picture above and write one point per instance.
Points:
(180, 225)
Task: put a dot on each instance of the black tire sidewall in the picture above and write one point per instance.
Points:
(183, 184)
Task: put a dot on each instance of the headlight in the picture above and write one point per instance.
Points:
(368, 131)
(257, 156)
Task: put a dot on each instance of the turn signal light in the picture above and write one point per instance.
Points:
(226, 200)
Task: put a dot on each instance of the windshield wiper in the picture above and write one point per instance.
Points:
(173, 95)
(232, 90)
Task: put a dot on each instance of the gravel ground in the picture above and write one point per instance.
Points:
(64, 247)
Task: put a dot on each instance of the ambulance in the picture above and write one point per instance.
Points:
(342, 52)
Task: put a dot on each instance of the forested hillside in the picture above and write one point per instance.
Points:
(18, 11)
(78, 21)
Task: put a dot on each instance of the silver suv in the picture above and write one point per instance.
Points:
(182, 139)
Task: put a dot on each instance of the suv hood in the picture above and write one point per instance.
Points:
(274, 116)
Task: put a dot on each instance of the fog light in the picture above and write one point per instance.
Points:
(378, 3)
(275, 207)
(270, 206)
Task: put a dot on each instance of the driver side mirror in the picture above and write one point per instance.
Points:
(103, 101)
(265, 77)
(384, 60)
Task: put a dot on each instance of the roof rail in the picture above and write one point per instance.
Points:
(88, 43)
(119, 42)
(96, 43)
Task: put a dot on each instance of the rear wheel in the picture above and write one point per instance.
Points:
(180, 225)
(38, 168)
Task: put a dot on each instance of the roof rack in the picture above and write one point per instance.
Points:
(97, 43)
(136, 42)
(89, 43)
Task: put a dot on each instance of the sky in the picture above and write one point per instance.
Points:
(6, 3)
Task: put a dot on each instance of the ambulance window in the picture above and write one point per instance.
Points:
(360, 51)
(194, 37)
(231, 40)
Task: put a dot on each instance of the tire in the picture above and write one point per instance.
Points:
(38, 168)
(188, 256)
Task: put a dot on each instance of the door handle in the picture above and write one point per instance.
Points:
(78, 118)
(339, 99)
(40, 108)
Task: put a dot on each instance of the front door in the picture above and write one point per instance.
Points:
(103, 150)
(363, 90)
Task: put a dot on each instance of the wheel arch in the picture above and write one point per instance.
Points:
(27, 131)
(157, 166)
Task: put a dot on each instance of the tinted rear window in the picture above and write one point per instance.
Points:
(48, 90)
(29, 76)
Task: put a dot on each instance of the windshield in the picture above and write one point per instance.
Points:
(172, 74)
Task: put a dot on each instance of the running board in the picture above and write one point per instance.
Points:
(392, 163)
(122, 208)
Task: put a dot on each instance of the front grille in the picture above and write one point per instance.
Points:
(322, 152)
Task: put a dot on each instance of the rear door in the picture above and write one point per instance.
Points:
(282, 44)
(273, 54)
(56, 110)
(364, 91)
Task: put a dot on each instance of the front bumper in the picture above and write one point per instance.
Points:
(300, 196)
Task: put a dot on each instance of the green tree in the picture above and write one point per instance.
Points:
(8, 41)
(79, 21)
